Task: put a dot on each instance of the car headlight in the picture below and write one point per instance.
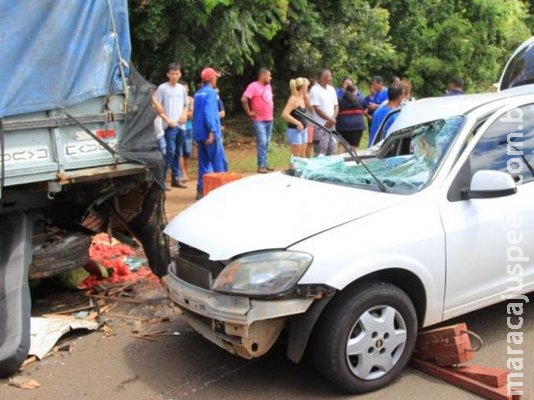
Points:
(261, 274)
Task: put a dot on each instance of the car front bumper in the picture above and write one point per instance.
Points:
(243, 326)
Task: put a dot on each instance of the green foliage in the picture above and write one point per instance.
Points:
(440, 39)
(426, 41)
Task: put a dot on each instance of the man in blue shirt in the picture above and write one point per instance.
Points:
(380, 94)
(394, 100)
(455, 87)
(207, 129)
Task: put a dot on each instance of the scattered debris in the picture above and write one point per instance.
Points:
(28, 361)
(45, 332)
(109, 257)
(23, 382)
(440, 353)
(121, 292)
(150, 329)
(135, 263)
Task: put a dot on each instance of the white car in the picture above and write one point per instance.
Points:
(352, 272)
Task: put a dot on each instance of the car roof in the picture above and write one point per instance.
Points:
(435, 108)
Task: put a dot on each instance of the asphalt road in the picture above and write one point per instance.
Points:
(121, 366)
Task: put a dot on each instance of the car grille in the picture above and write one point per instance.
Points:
(195, 267)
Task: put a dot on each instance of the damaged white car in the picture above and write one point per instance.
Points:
(353, 266)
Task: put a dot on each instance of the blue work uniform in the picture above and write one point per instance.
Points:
(211, 158)
(379, 115)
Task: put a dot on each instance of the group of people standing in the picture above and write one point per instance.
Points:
(182, 118)
(344, 109)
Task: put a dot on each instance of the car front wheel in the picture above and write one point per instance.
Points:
(366, 337)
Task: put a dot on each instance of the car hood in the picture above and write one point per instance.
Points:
(271, 211)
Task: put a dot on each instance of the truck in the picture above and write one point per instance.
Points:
(78, 152)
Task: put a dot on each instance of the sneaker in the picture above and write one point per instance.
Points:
(262, 170)
(199, 195)
(178, 183)
(168, 187)
(270, 169)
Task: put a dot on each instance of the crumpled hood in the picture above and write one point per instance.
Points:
(270, 211)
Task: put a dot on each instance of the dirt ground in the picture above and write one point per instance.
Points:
(116, 363)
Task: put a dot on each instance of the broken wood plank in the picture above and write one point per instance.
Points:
(127, 286)
(455, 350)
(109, 298)
(76, 309)
(151, 339)
(28, 361)
(442, 334)
(115, 315)
(495, 377)
(449, 374)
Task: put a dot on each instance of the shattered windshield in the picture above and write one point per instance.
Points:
(408, 161)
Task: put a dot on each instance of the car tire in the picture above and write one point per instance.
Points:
(365, 337)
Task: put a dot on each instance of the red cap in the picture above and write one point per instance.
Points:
(208, 73)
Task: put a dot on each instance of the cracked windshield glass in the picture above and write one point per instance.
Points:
(412, 157)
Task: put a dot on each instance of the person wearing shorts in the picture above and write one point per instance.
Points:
(297, 134)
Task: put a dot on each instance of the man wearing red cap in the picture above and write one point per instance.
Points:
(207, 128)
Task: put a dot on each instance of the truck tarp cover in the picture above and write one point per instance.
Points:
(57, 53)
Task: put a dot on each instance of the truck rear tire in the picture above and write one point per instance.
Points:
(15, 302)
(57, 253)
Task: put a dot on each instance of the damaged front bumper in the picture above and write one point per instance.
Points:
(243, 326)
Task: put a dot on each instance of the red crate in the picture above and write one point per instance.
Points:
(214, 180)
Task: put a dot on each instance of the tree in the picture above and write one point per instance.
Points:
(426, 41)
(436, 40)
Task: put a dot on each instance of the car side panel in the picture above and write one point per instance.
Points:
(408, 236)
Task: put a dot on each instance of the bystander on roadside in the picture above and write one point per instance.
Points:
(207, 129)
(323, 98)
(257, 101)
(173, 98)
(297, 134)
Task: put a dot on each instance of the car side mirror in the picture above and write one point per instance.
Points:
(487, 184)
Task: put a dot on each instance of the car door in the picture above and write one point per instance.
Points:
(480, 233)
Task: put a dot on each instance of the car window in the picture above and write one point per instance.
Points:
(382, 131)
(520, 70)
(508, 146)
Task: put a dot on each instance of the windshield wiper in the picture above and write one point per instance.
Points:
(347, 147)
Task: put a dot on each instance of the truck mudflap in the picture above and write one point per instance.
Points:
(15, 302)
(242, 326)
(148, 227)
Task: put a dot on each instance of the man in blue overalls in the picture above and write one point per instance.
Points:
(207, 128)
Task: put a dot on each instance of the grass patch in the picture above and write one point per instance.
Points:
(246, 161)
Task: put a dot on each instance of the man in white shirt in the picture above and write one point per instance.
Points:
(173, 97)
(323, 98)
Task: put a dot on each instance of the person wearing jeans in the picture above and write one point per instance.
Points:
(264, 130)
(173, 99)
(257, 101)
(174, 138)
